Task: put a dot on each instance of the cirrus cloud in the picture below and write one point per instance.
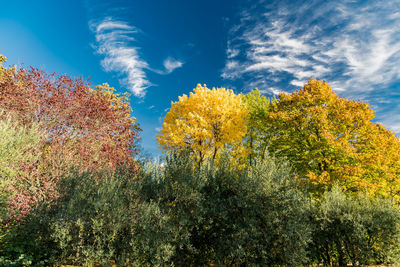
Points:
(354, 45)
(114, 41)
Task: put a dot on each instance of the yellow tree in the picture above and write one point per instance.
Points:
(331, 139)
(381, 161)
(204, 122)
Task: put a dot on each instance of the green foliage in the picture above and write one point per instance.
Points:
(98, 219)
(258, 136)
(19, 147)
(176, 214)
(354, 230)
(227, 216)
(91, 220)
(16, 145)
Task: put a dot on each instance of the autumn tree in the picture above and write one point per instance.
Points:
(203, 122)
(332, 139)
(381, 161)
(84, 126)
(258, 136)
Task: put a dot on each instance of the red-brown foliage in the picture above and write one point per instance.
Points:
(88, 128)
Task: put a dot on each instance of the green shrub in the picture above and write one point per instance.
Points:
(28, 242)
(19, 148)
(358, 230)
(171, 215)
(99, 218)
(177, 214)
(226, 216)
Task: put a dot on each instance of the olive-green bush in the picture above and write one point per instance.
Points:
(354, 229)
(227, 216)
(98, 218)
(174, 214)
(178, 215)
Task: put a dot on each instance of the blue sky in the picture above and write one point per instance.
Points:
(158, 50)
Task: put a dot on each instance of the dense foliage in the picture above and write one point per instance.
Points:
(173, 214)
(303, 179)
(330, 139)
(20, 148)
(258, 135)
(79, 126)
(203, 122)
(180, 215)
(357, 230)
(230, 216)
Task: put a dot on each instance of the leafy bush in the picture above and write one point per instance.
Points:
(176, 214)
(19, 149)
(223, 215)
(98, 218)
(357, 230)
(81, 125)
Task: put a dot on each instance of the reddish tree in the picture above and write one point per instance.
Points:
(89, 128)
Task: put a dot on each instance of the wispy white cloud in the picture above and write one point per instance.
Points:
(231, 53)
(170, 64)
(355, 45)
(108, 24)
(114, 41)
(297, 83)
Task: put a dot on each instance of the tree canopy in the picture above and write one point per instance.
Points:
(204, 122)
(81, 126)
(331, 139)
(257, 136)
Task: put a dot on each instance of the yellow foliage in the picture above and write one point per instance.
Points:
(118, 102)
(381, 159)
(204, 122)
(5, 74)
(332, 139)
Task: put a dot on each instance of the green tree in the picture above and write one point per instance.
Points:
(257, 137)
